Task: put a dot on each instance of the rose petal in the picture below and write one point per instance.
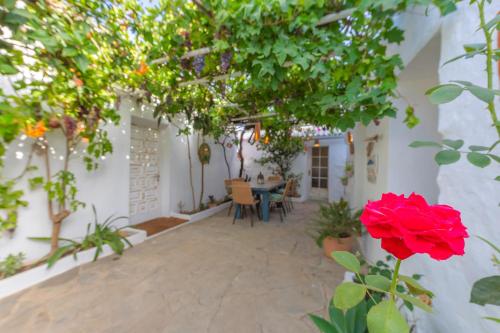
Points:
(396, 247)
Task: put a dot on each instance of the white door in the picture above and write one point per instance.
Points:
(319, 173)
(144, 199)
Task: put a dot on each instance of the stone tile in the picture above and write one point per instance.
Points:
(211, 276)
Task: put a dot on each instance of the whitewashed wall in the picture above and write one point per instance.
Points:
(108, 187)
(109, 197)
(468, 189)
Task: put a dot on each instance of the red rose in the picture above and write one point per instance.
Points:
(410, 225)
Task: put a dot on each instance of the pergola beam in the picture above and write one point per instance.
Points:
(325, 20)
(208, 79)
(335, 17)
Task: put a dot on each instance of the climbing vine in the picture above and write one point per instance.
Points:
(61, 60)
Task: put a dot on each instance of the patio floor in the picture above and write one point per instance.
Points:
(209, 276)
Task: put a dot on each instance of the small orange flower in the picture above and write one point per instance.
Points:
(78, 81)
(35, 131)
(143, 68)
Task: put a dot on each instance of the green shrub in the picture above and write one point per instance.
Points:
(11, 264)
(336, 220)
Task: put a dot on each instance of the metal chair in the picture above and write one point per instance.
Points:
(279, 200)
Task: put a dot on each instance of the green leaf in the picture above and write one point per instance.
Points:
(478, 159)
(493, 319)
(348, 295)
(494, 157)
(82, 63)
(484, 94)
(410, 119)
(58, 254)
(323, 325)
(455, 144)
(444, 93)
(497, 178)
(415, 301)
(7, 69)
(347, 260)
(493, 22)
(493, 246)
(447, 157)
(385, 318)
(474, 47)
(478, 148)
(486, 291)
(414, 286)
(418, 144)
(337, 316)
(356, 318)
(69, 52)
(378, 281)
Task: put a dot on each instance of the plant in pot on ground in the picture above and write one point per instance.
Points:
(336, 226)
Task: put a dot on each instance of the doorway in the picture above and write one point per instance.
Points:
(319, 173)
(144, 203)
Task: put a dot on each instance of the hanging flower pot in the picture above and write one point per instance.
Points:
(204, 153)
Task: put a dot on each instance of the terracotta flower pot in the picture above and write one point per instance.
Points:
(331, 244)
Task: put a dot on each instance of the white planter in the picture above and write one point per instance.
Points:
(41, 273)
(203, 214)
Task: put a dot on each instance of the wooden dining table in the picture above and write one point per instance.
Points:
(264, 190)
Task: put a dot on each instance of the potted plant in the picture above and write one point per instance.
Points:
(336, 227)
(344, 180)
(349, 170)
(212, 202)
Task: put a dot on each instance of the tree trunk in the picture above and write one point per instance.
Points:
(202, 184)
(223, 144)
(240, 154)
(191, 172)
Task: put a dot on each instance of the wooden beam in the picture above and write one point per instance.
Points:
(206, 50)
(335, 17)
(198, 52)
(207, 79)
(258, 116)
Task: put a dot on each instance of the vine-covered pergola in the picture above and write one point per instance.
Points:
(213, 62)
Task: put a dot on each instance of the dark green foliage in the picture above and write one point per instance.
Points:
(336, 220)
(281, 150)
(350, 321)
(11, 264)
(103, 234)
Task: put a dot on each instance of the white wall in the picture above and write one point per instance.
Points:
(215, 171)
(410, 169)
(469, 189)
(108, 187)
(110, 197)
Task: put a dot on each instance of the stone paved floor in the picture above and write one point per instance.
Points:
(209, 276)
